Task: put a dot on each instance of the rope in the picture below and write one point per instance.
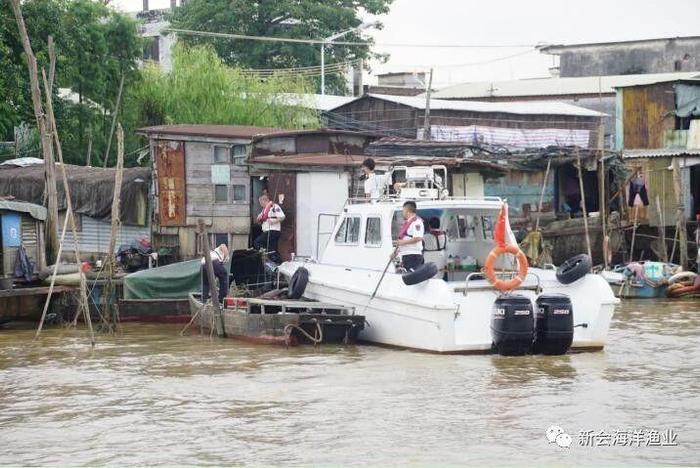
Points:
(291, 326)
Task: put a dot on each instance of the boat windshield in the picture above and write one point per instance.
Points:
(457, 240)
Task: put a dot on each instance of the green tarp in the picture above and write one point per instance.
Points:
(173, 281)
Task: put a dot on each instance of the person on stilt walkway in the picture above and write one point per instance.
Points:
(271, 218)
(219, 257)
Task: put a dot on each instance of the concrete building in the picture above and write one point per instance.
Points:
(661, 55)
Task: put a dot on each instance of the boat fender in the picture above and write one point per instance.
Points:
(298, 282)
(489, 267)
(574, 269)
(420, 274)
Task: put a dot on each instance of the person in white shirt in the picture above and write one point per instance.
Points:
(271, 218)
(410, 239)
(375, 184)
(219, 257)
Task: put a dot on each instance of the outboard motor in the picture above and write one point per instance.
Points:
(512, 325)
(554, 324)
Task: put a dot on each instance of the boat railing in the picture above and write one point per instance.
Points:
(502, 275)
(396, 198)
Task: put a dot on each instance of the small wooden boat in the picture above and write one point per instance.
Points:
(641, 280)
(281, 322)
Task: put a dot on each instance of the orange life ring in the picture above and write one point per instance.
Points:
(503, 285)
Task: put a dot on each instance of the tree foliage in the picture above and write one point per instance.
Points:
(202, 89)
(94, 44)
(304, 19)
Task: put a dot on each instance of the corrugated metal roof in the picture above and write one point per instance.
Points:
(521, 108)
(550, 86)
(320, 102)
(555, 49)
(35, 211)
(659, 153)
(223, 131)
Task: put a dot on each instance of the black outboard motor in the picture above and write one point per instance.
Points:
(512, 325)
(554, 324)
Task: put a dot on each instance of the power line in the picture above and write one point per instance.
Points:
(348, 43)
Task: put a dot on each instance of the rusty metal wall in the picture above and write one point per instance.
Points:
(170, 182)
(647, 113)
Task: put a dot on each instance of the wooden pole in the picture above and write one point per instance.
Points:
(544, 186)
(88, 158)
(662, 233)
(84, 304)
(634, 232)
(46, 143)
(114, 119)
(109, 287)
(213, 289)
(426, 115)
(680, 217)
(583, 203)
(53, 280)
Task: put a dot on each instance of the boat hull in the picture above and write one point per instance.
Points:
(282, 328)
(439, 317)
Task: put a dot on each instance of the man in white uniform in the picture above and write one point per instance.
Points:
(271, 218)
(375, 184)
(219, 257)
(410, 241)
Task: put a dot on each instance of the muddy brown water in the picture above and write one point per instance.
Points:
(151, 397)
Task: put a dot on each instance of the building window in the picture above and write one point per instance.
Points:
(221, 154)
(373, 232)
(151, 50)
(220, 193)
(238, 192)
(349, 231)
(215, 240)
(239, 154)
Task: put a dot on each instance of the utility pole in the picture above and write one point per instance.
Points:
(426, 115)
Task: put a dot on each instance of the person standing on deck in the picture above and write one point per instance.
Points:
(219, 257)
(375, 184)
(410, 240)
(271, 218)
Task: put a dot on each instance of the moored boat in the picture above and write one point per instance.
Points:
(684, 284)
(451, 311)
(280, 322)
(641, 280)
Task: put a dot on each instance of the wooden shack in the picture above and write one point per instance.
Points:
(21, 225)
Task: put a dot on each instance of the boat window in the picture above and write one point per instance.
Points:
(349, 231)
(373, 231)
(487, 226)
(462, 226)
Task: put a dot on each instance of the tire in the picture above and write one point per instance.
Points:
(574, 269)
(420, 274)
(298, 282)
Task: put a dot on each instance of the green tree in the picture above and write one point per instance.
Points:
(94, 44)
(304, 19)
(200, 88)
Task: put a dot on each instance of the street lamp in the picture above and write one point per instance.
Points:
(329, 39)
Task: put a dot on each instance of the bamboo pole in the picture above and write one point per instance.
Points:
(88, 158)
(634, 232)
(213, 289)
(109, 286)
(84, 305)
(53, 280)
(680, 216)
(544, 186)
(46, 142)
(114, 119)
(662, 234)
(583, 203)
(426, 115)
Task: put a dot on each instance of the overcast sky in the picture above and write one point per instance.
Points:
(509, 22)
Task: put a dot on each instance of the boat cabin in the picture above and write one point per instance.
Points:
(459, 232)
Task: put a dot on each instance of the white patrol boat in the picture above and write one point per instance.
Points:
(456, 309)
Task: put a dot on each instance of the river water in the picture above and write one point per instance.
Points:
(151, 397)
